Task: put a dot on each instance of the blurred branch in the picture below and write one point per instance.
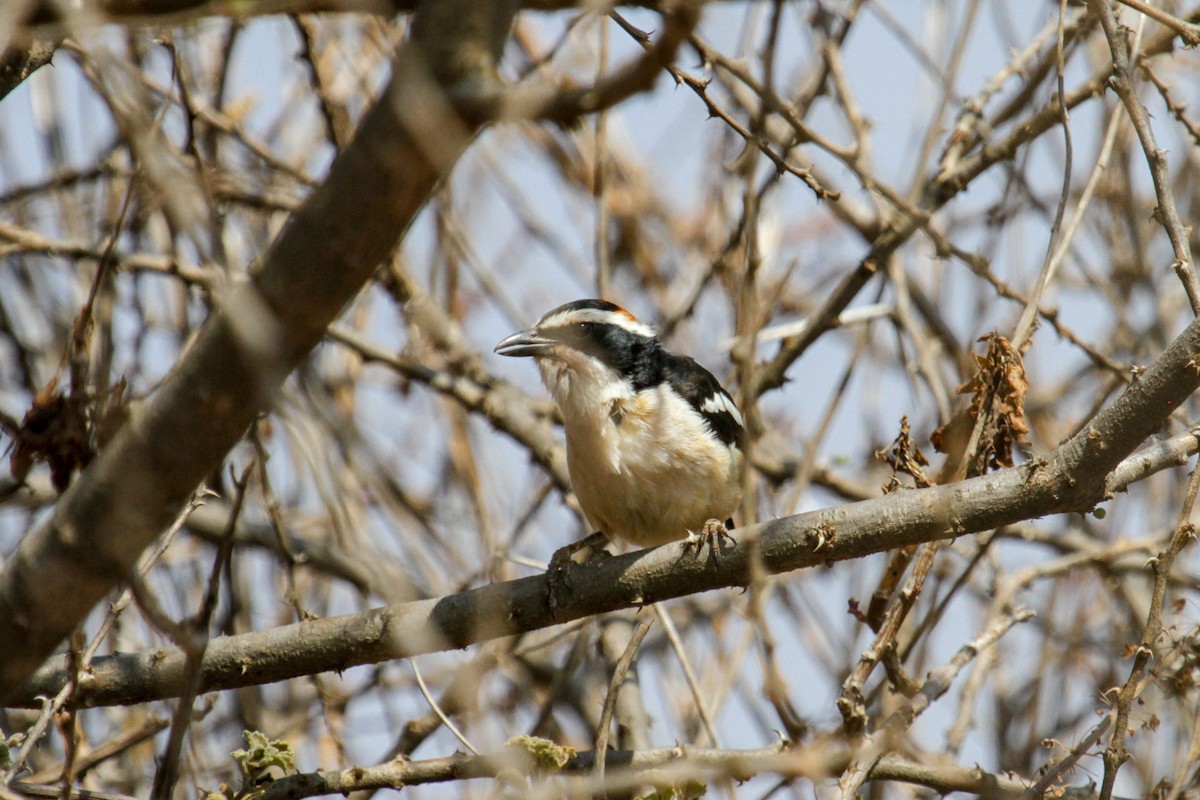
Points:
(405, 145)
(208, 521)
(1187, 31)
(137, 732)
(1116, 753)
(564, 105)
(24, 789)
(18, 63)
(365, 574)
(658, 766)
(46, 17)
(48, 13)
(505, 406)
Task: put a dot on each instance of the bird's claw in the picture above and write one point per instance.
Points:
(714, 534)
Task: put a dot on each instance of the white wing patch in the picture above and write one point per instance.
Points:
(718, 403)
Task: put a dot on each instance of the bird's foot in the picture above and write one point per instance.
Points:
(557, 572)
(715, 535)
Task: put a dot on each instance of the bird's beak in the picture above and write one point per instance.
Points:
(525, 343)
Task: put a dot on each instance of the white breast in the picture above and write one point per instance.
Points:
(644, 466)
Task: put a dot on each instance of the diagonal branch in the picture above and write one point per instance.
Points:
(566, 106)
(407, 143)
(1072, 478)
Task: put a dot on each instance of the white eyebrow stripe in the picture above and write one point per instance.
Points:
(720, 403)
(598, 315)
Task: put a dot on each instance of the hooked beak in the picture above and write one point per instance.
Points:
(525, 343)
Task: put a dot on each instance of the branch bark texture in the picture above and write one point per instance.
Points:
(1073, 478)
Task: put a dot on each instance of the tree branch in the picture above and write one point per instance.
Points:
(406, 144)
(817, 762)
(936, 192)
(19, 62)
(1074, 477)
(47, 14)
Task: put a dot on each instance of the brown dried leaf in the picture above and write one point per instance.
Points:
(65, 430)
(997, 391)
(53, 430)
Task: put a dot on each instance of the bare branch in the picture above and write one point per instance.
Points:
(1074, 477)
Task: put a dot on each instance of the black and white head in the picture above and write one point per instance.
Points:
(595, 352)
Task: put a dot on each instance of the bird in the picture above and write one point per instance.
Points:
(654, 442)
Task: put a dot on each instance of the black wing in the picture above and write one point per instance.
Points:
(705, 394)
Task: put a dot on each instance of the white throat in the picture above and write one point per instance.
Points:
(584, 388)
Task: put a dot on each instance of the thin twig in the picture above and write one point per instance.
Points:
(1156, 158)
(1116, 753)
(433, 704)
(689, 674)
(1189, 32)
(614, 687)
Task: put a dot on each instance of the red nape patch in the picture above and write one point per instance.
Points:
(620, 310)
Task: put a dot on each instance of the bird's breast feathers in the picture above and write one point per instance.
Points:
(645, 467)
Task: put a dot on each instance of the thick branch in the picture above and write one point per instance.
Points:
(48, 13)
(264, 328)
(1074, 477)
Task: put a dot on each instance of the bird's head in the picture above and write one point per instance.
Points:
(588, 332)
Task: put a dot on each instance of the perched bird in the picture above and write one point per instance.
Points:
(654, 444)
